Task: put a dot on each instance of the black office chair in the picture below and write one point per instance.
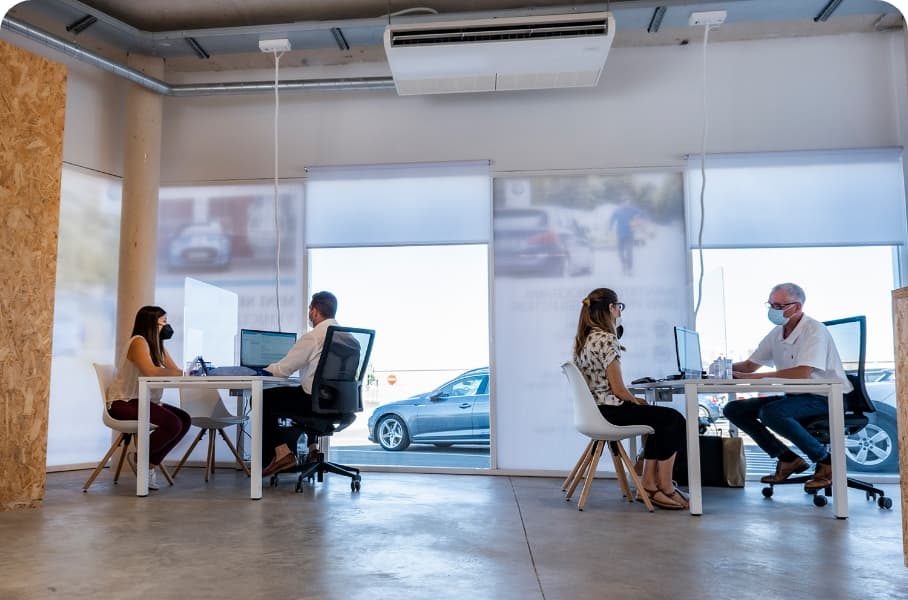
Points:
(850, 336)
(336, 398)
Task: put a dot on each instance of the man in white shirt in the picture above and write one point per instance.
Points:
(799, 347)
(291, 401)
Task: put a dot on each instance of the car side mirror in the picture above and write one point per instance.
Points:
(437, 396)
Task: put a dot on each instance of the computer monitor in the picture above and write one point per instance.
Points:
(261, 348)
(687, 351)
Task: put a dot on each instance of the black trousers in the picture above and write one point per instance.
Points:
(667, 423)
(284, 402)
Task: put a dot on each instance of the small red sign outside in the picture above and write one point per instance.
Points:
(392, 379)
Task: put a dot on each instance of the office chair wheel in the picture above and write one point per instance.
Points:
(299, 485)
(884, 502)
(354, 485)
(273, 481)
(819, 500)
(767, 492)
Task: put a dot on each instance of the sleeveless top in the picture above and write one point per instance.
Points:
(125, 385)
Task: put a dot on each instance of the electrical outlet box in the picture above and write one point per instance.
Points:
(710, 18)
(278, 45)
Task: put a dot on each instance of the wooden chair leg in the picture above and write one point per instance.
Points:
(165, 473)
(570, 478)
(209, 462)
(591, 473)
(192, 446)
(587, 458)
(637, 482)
(102, 464)
(124, 442)
(619, 471)
(235, 453)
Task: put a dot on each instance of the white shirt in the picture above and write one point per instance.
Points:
(303, 356)
(809, 345)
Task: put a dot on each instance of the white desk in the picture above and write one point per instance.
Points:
(232, 382)
(832, 389)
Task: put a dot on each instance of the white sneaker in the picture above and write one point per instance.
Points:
(152, 479)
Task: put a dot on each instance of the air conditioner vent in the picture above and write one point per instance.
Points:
(499, 33)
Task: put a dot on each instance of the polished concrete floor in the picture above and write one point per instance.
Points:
(439, 537)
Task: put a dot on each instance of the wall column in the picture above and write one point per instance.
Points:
(141, 179)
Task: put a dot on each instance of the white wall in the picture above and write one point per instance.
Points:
(801, 93)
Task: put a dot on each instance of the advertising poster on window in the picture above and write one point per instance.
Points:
(556, 239)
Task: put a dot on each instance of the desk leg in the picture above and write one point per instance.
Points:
(255, 452)
(142, 443)
(837, 451)
(693, 449)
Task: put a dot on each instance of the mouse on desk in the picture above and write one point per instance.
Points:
(643, 380)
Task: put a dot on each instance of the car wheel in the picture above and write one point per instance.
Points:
(874, 449)
(391, 433)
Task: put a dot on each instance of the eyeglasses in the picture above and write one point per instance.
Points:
(620, 305)
(776, 306)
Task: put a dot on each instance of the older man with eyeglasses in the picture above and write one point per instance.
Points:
(799, 347)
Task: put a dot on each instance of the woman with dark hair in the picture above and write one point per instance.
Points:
(146, 357)
(597, 354)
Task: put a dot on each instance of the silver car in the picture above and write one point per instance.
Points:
(875, 449)
(455, 413)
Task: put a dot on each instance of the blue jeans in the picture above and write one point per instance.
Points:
(756, 416)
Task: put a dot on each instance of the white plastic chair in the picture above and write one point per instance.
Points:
(589, 421)
(127, 430)
(209, 414)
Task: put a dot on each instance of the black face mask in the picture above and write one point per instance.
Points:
(166, 332)
(619, 331)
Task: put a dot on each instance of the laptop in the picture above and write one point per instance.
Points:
(687, 352)
(259, 348)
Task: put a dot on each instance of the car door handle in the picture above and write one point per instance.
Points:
(465, 405)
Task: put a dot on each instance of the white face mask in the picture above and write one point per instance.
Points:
(776, 316)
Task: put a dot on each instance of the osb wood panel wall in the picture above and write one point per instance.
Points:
(32, 107)
(900, 322)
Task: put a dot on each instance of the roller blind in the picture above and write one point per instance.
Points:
(842, 197)
(398, 204)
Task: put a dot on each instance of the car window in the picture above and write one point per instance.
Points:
(467, 386)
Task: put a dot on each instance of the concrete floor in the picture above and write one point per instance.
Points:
(439, 537)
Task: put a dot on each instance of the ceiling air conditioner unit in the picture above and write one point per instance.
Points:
(509, 53)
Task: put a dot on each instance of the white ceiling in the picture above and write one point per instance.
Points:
(229, 30)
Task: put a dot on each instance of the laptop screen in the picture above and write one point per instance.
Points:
(261, 348)
(687, 350)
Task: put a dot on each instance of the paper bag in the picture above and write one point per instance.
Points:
(734, 464)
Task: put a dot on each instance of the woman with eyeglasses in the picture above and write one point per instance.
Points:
(146, 357)
(597, 353)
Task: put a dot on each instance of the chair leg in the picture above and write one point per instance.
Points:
(636, 478)
(166, 473)
(570, 478)
(619, 472)
(235, 453)
(209, 462)
(583, 468)
(192, 446)
(590, 474)
(125, 443)
(97, 471)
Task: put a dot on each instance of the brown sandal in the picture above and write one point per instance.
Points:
(663, 500)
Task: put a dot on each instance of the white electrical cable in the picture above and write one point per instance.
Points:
(702, 175)
(277, 226)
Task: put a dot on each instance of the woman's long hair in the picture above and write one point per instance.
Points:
(146, 325)
(594, 314)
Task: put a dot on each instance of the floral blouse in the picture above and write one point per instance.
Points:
(600, 349)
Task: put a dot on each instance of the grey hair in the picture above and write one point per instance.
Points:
(792, 289)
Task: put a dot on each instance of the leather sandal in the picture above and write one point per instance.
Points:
(679, 497)
(662, 500)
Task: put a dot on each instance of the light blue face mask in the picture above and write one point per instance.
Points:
(777, 317)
